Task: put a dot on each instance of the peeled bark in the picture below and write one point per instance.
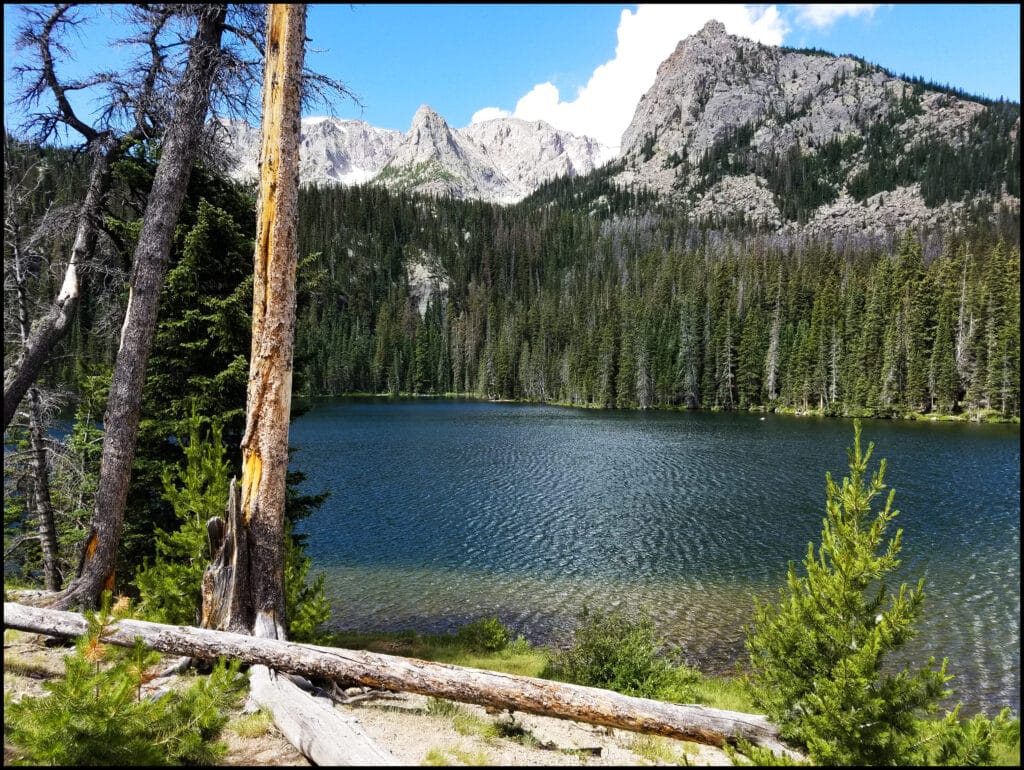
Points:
(121, 420)
(700, 724)
(227, 599)
(243, 589)
(268, 405)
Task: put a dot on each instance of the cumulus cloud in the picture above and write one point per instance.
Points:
(821, 16)
(603, 108)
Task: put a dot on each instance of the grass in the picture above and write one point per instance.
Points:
(516, 658)
(659, 750)
(436, 757)
(464, 722)
(726, 693)
(252, 725)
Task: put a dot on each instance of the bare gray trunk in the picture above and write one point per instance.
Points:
(121, 420)
(51, 328)
(41, 493)
(39, 499)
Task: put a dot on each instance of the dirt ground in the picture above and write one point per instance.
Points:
(412, 728)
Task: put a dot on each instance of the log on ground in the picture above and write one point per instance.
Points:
(700, 724)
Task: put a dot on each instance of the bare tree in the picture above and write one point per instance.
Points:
(244, 590)
(40, 40)
(178, 152)
(17, 191)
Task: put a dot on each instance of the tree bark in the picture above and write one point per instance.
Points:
(244, 586)
(268, 407)
(41, 493)
(39, 497)
(530, 695)
(314, 727)
(121, 420)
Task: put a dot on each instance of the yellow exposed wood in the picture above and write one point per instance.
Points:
(252, 474)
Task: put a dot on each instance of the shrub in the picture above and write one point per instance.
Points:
(484, 635)
(614, 652)
(818, 656)
(96, 714)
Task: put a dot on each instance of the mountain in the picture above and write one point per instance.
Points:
(501, 160)
(732, 133)
(332, 151)
(736, 131)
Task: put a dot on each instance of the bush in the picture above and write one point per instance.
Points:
(616, 653)
(96, 714)
(484, 635)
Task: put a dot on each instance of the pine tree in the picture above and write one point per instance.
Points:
(171, 586)
(819, 656)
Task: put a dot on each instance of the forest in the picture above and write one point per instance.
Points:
(637, 308)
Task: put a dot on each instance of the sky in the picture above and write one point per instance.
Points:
(583, 68)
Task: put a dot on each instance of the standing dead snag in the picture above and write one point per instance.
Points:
(251, 595)
(268, 407)
(244, 586)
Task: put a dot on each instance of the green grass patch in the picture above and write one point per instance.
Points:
(658, 750)
(723, 692)
(482, 644)
(436, 757)
(464, 721)
(252, 725)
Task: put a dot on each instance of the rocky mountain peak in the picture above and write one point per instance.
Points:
(426, 119)
(734, 130)
(713, 28)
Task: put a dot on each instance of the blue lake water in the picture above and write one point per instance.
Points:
(444, 510)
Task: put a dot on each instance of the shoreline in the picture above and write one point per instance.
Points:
(978, 417)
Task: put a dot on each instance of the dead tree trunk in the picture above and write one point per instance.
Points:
(39, 499)
(41, 493)
(530, 695)
(51, 328)
(252, 597)
(243, 589)
(149, 265)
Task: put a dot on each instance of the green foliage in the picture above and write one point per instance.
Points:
(486, 634)
(614, 652)
(96, 714)
(552, 301)
(819, 656)
(306, 605)
(170, 587)
(954, 742)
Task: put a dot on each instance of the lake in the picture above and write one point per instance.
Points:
(445, 510)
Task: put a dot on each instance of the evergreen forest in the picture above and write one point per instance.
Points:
(625, 305)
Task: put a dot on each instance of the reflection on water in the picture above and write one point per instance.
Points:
(441, 511)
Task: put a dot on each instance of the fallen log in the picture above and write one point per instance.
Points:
(700, 724)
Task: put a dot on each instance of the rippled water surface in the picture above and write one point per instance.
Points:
(441, 511)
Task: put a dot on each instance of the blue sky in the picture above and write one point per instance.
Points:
(583, 67)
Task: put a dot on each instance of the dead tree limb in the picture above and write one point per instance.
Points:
(700, 724)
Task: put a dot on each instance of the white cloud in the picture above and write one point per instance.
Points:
(603, 108)
(489, 113)
(820, 16)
